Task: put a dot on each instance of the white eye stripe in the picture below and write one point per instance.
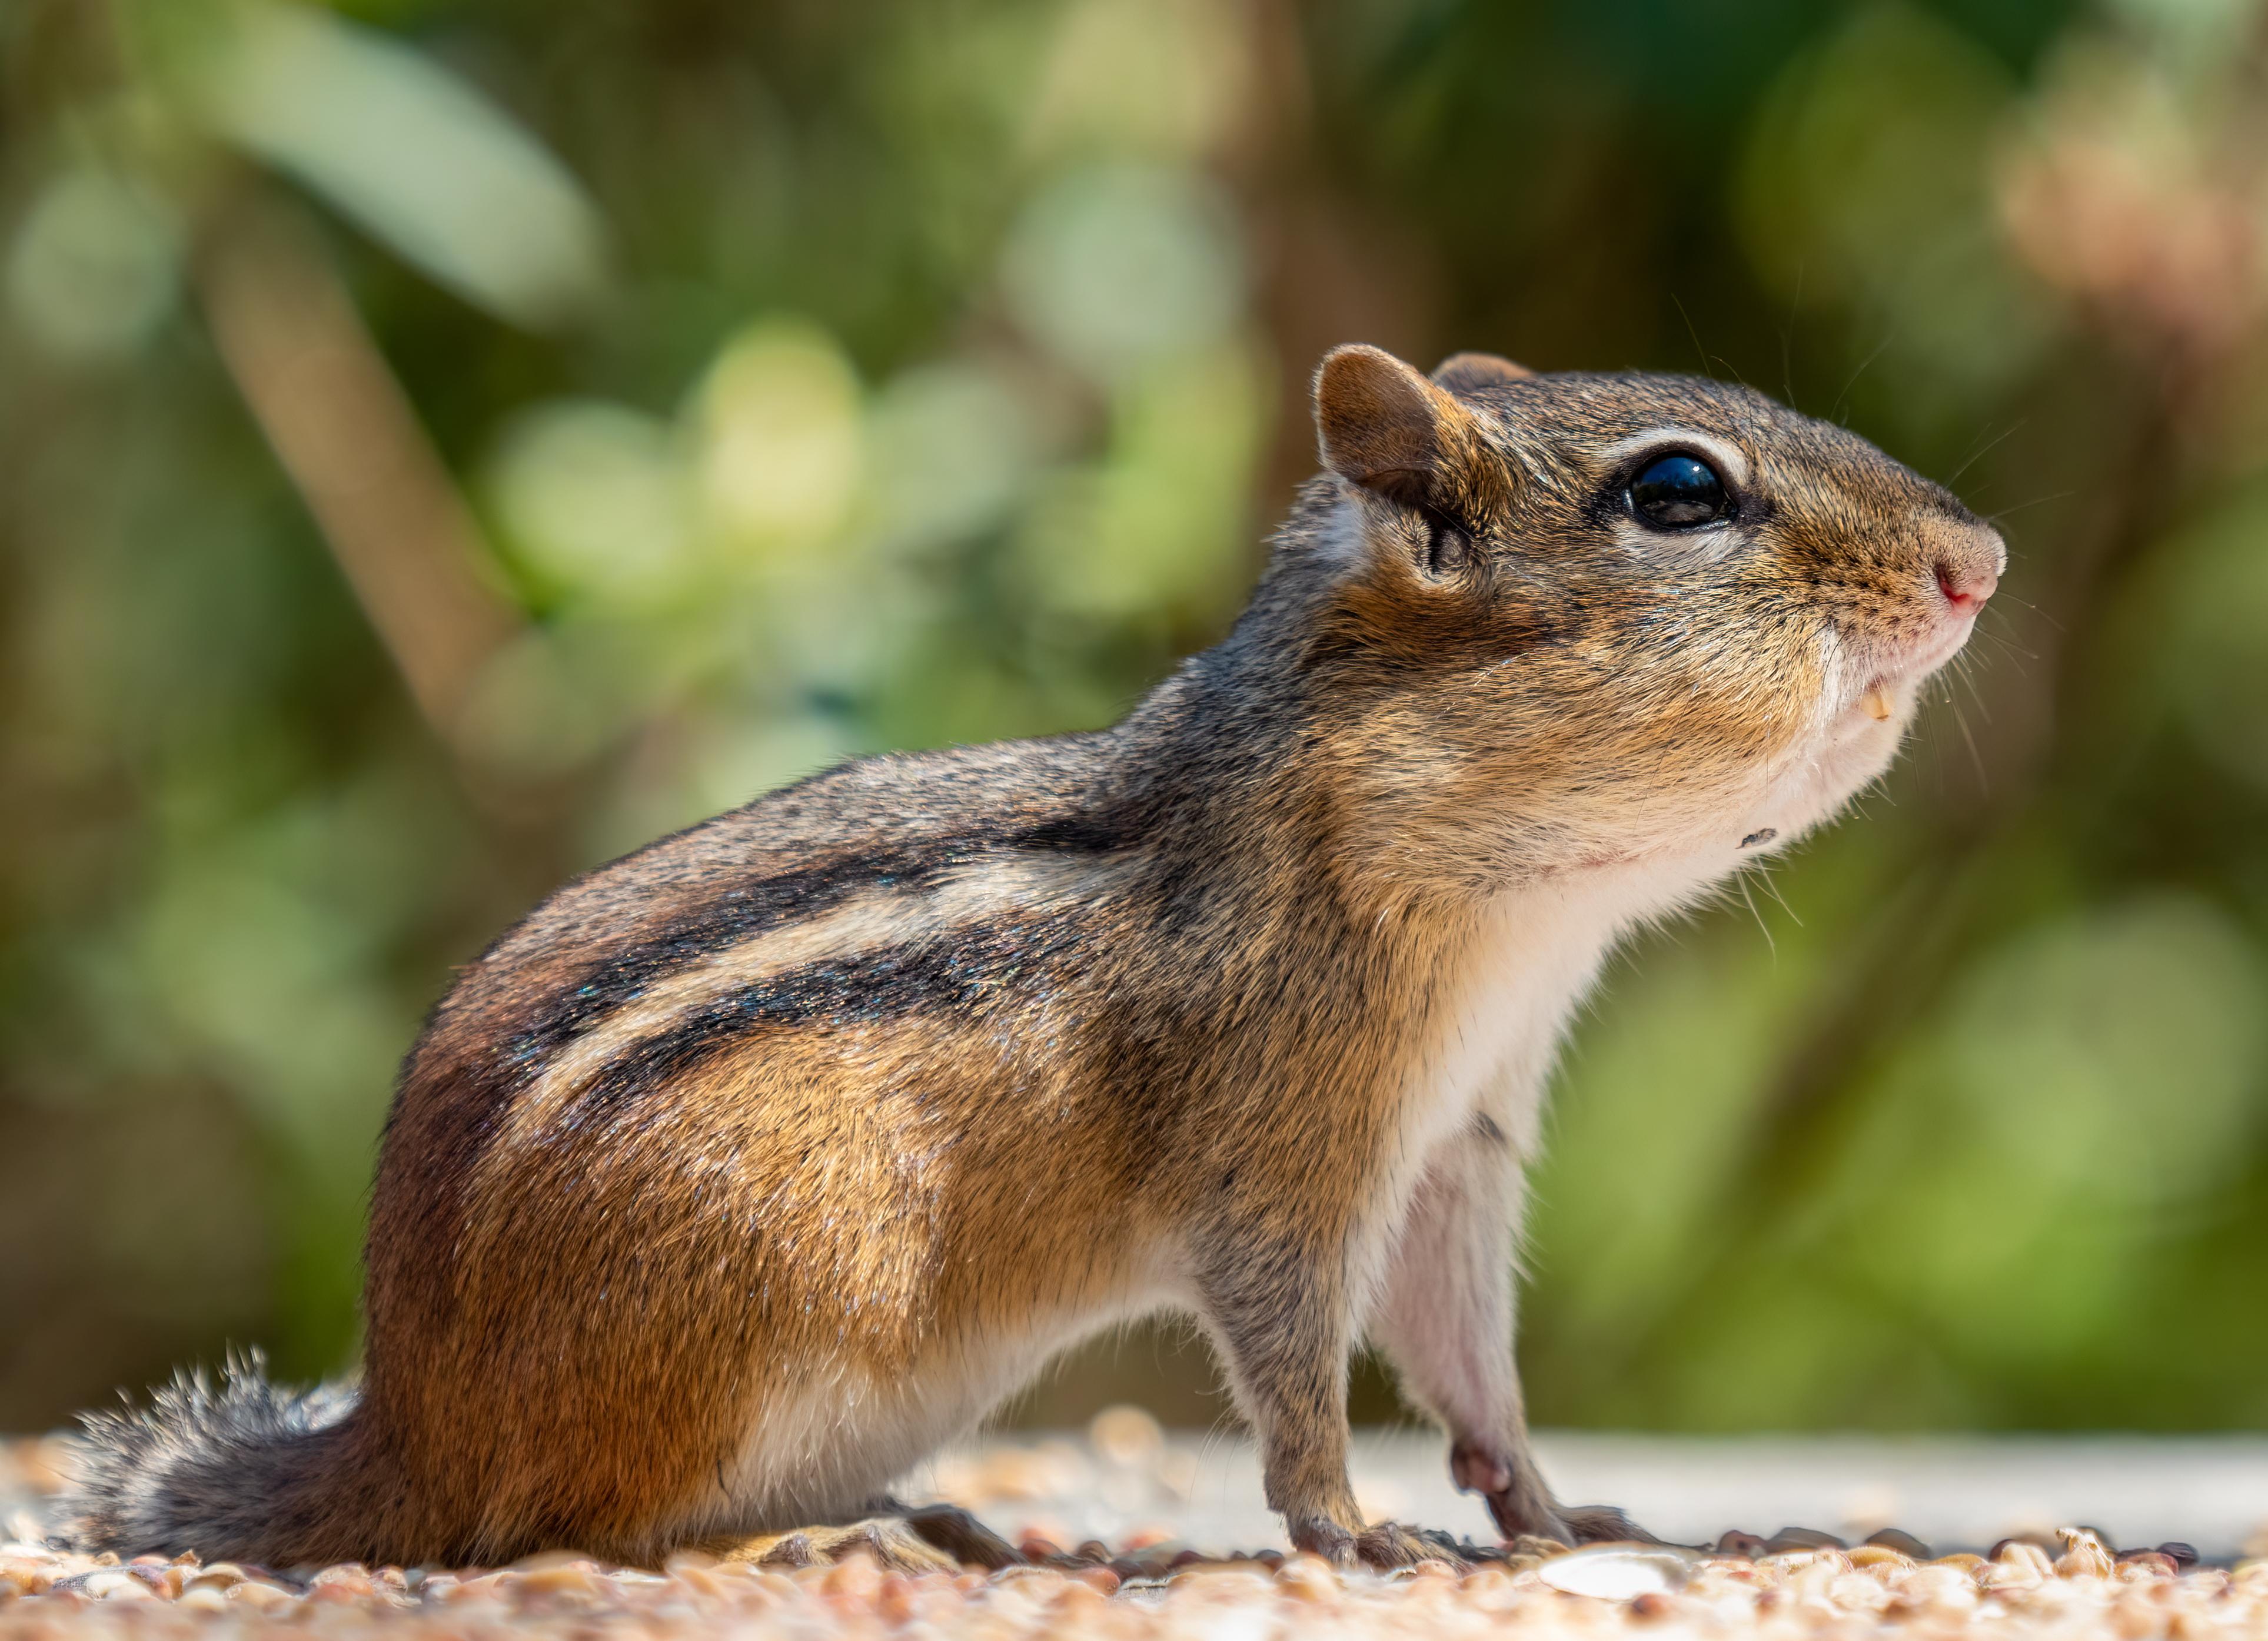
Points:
(1672, 547)
(1730, 465)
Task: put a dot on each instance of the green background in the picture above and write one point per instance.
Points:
(675, 396)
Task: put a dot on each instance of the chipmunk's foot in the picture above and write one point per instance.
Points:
(1523, 1508)
(889, 1541)
(1383, 1546)
(1603, 1523)
(954, 1531)
(901, 1538)
(1547, 1532)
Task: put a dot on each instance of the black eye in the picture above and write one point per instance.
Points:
(1678, 492)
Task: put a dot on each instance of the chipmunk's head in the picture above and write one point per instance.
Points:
(1560, 620)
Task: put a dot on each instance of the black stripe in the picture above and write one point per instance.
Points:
(733, 916)
(956, 974)
(744, 913)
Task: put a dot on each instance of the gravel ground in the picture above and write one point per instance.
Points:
(1160, 1519)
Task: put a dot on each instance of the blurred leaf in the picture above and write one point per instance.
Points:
(950, 447)
(1159, 523)
(421, 159)
(1114, 266)
(595, 497)
(93, 268)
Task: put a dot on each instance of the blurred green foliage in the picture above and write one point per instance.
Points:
(447, 442)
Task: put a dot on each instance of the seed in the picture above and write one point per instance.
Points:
(1905, 1543)
(2083, 1556)
(2017, 1563)
(1615, 1574)
(261, 1595)
(1307, 1578)
(117, 1586)
(1126, 1436)
(1800, 1539)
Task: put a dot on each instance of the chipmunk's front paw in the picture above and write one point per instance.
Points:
(1383, 1546)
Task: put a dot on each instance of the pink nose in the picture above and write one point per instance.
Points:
(1967, 582)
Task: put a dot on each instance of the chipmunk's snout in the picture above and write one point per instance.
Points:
(1968, 572)
(1918, 609)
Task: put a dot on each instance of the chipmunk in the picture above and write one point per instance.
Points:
(749, 1169)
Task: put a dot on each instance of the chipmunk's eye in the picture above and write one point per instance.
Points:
(1678, 492)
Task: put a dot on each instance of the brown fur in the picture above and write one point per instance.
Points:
(747, 1169)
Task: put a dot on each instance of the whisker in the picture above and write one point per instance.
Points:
(2037, 609)
(1786, 335)
(1976, 694)
(1988, 449)
(1742, 879)
(1836, 415)
(1680, 304)
(2053, 495)
(1771, 887)
(1984, 780)
(2007, 643)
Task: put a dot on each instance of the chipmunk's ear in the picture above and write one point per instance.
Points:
(1385, 427)
(1470, 373)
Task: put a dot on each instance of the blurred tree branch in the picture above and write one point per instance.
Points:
(349, 439)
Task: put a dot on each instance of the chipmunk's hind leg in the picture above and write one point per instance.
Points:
(902, 1537)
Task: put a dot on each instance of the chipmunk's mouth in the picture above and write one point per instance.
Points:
(1879, 701)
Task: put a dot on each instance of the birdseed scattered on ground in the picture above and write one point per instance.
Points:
(1149, 1585)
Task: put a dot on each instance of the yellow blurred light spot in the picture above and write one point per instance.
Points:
(779, 428)
(1163, 76)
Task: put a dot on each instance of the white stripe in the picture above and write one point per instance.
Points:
(870, 922)
(1728, 457)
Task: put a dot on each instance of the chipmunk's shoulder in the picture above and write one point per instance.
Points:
(893, 820)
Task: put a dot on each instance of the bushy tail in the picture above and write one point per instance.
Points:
(243, 1471)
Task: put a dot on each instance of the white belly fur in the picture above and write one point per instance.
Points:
(1538, 953)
